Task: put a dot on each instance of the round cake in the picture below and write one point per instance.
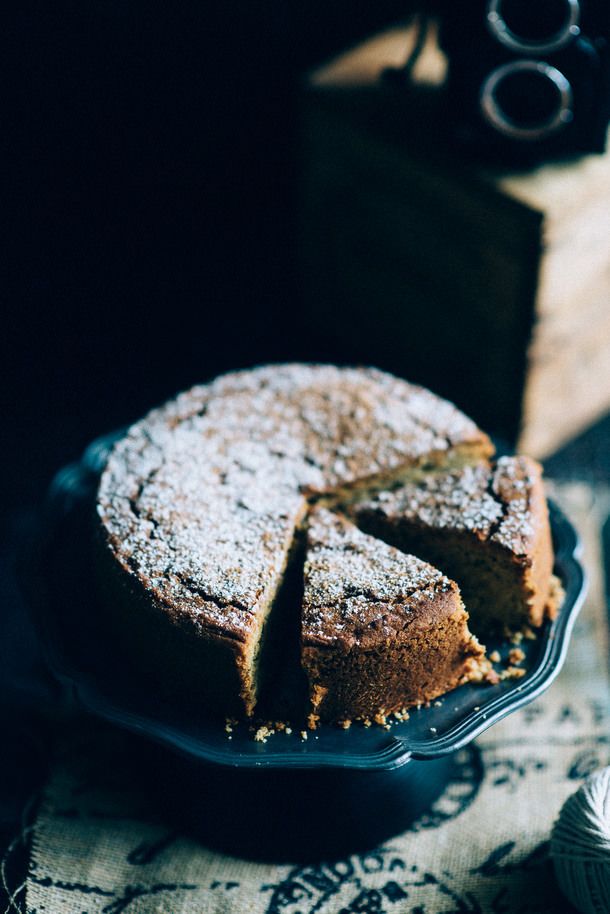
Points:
(211, 515)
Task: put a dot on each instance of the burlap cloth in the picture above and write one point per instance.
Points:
(484, 848)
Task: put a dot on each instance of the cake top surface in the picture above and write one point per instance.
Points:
(359, 590)
(200, 499)
(345, 423)
(207, 538)
(333, 426)
(496, 504)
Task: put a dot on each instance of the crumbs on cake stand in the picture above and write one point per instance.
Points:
(510, 667)
(514, 657)
(262, 731)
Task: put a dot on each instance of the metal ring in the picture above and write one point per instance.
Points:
(500, 30)
(504, 124)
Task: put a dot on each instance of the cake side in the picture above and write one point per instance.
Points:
(381, 630)
(486, 527)
(164, 650)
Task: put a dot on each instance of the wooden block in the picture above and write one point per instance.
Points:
(490, 286)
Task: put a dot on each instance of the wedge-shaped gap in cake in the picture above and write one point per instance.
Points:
(281, 684)
(486, 527)
(381, 630)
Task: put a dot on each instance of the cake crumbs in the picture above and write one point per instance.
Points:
(433, 730)
(491, 677)
(262, 733)
(303, 734)
(495, 657)
(438, 704)
(403, 714)
(312, 721)
(366, 722)
(345, 724)
(516, 638)
(380, 718)
(529, 633)
(516, 656)
(513, 672)
(288, 731)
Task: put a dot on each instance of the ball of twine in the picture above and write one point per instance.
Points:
(580, 845)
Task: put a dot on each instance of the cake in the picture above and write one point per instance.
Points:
(486, 526)
(203, 510)
(381, 630)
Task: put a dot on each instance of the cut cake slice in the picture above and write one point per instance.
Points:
(486, 527)
(380, 631)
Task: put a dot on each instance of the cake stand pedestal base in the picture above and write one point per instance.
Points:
(296, 815)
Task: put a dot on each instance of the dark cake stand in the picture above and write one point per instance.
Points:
(288, 798)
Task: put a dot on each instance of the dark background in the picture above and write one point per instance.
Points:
(149, 211)
(150, 220)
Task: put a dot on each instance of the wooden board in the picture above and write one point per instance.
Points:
(490, 286)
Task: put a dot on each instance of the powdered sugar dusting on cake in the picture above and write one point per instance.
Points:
(355, 584)
(206, 531)
(492, 504)
(457, 500)
(513, 483)
(350, 423)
